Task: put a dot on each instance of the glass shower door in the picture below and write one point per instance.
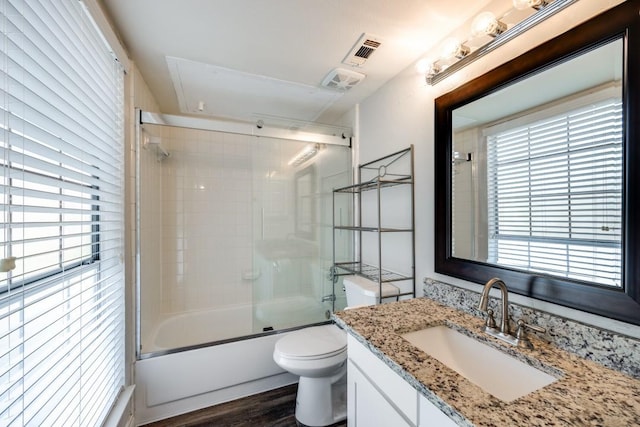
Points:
(292, 231)
(234, 235)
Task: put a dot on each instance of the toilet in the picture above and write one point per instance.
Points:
(318, 355)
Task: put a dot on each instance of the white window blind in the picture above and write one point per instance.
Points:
(555, 194)
(61, 153)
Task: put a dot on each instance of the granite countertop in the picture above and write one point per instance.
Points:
(586, 393)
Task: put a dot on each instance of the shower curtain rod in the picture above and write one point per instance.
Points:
(244, 128)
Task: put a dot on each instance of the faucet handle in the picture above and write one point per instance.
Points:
(521, 336)
(490, 323)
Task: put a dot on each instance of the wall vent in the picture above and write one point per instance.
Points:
(362, 50)
(342, 79)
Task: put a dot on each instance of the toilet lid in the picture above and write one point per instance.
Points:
(313, 343)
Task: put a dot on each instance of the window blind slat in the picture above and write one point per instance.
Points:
(40, 32)
(42, 297)
(62, 126)
(61, 154)
(82, 40)
(554, 191)
(82, 331)
(66, 153)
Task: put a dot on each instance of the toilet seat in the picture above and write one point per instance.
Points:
(318, 342)
(318, 356)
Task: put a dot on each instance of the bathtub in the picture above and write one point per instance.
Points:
(208, 326)
(199, 327)
(211, 371)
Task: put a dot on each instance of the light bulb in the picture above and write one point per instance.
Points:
(433, 69)
(422, 66)
(487, 24)
(427, 67)
(452, 48)
(523, 4)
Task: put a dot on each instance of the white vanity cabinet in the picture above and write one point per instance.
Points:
(431, 416)
(378, 397)
(368, 405)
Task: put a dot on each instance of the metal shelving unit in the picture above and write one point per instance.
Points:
(394, 170)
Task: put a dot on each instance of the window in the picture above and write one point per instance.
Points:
(61, 152)
(555, 194)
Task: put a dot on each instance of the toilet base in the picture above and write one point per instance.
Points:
(322, 402)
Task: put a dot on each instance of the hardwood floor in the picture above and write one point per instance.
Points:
(274, 408)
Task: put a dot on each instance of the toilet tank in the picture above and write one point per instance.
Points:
(362, 291)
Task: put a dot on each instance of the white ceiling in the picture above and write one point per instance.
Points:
(554, 84)
(246, 59)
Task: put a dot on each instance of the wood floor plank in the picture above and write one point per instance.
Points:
(275, 408)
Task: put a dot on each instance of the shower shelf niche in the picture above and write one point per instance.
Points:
(394, 170)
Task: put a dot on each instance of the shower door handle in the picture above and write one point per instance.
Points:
(262, 224)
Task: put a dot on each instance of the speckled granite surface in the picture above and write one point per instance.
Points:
(613, 350)
(586, 393)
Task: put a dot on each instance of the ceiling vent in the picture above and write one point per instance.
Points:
(364, 47)
(342, 79)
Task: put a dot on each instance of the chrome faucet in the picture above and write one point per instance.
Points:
(520, 339)
(484, 300)
(329, 298)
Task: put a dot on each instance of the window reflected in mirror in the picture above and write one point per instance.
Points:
(536, 174)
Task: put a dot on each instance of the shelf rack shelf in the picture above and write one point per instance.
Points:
(374, 229)
(392, 170)
(372, 272)
(375, 183)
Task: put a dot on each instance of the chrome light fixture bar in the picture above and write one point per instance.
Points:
(437, 73)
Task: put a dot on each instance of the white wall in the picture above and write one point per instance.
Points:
(402, 113)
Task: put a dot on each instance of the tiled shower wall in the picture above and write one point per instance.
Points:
(206, 204)
(464, 209)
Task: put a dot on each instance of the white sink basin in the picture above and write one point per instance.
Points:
(498, 373)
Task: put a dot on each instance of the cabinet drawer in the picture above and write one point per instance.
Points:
(395, 389)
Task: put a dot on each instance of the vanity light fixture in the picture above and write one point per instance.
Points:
(427, 67)
(452, 48)
(486, 23)
(536, 4)
(433, 69)
(455, 55)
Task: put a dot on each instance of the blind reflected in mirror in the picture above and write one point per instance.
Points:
(537, 172)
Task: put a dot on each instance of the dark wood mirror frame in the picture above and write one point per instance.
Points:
(622, 21)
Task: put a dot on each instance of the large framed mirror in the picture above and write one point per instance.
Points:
(536, 173)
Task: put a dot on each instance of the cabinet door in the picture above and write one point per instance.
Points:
(367, 406)
(392, 386)
(431, 416)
